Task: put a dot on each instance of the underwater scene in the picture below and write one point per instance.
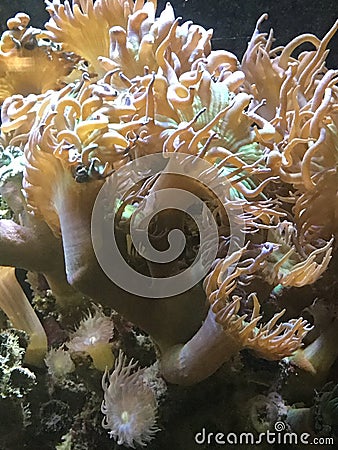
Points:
(168, 224)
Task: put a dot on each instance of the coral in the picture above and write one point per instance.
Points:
(266, 410)
(93, 336)
(27, 60)
(54, 416)
(326, 410)
(86, 102)
(129, 405)
(15, 380)
(321, 417)
(59, 363)
(12, 300)
(321, 353)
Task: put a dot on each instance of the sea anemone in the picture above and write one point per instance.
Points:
(59, 363)
(93, 336)
(129, 405)
(322, 352)
(30, 64)
(125, 36)
(266, 125)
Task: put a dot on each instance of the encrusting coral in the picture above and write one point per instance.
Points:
(119, 83)
(15, 380)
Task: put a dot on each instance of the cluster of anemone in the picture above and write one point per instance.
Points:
(110, 82)
(29, 63)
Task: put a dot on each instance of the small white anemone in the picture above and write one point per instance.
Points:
(59, 363)
(129, 405)
(93, 337)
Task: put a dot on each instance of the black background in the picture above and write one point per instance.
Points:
(233, 21)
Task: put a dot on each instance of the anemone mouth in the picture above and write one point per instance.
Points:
(129, 405)
(132, 210)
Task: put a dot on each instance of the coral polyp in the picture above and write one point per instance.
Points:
(129, 405)
(128, 141)
(93, 336)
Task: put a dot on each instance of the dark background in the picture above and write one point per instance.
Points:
(233, 21)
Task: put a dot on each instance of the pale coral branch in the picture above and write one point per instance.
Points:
(23, 247)
(201, 356)
(22, 316)
(36, 249)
